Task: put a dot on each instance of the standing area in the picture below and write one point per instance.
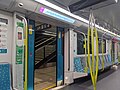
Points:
(109, 80)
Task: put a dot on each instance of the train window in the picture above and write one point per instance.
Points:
(100, 45)
(80, 44)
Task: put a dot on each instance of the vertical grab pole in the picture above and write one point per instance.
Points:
(94, 66)
(97, 58)
(93, 60)
(26, 55)
(26, 52)
(103, 56)
(103, 63)
(112, 52)
(89, 62)
(86, 68)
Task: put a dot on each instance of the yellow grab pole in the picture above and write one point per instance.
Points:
(92, 65)
(26, 52)
(97, 57)
(86, 68)
(103, 63)
(89, 62)
(102, 54)
(26, 55)
(93, 61)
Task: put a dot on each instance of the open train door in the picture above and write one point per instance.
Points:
(60, 53)
(31, 59)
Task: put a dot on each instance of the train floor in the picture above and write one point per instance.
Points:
(45, 77)
(109, 80)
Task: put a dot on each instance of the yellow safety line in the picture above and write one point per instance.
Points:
(50, 87)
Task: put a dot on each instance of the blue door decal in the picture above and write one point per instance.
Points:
(60, 69)
(31, 36)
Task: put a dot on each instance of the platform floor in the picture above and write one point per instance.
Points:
(45, 77)
(109, 80)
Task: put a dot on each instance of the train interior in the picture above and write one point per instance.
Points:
(60, 47)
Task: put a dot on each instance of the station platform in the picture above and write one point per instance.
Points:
(109, 80)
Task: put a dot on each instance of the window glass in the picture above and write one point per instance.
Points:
(80, 44)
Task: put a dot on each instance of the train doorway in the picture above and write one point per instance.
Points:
(48, 56)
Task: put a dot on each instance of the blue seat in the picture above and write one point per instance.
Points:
(5, 76)
(78, 65)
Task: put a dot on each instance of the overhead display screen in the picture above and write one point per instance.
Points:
(56, 15)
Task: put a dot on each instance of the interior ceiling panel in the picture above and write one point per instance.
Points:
(109, 14)
(6, 4)
(88, 4)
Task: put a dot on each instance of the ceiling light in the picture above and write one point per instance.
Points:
(116, 1)
(20, 4)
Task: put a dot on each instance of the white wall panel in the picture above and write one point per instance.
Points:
(7, 57)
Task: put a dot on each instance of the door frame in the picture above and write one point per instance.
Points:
(31, 55)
